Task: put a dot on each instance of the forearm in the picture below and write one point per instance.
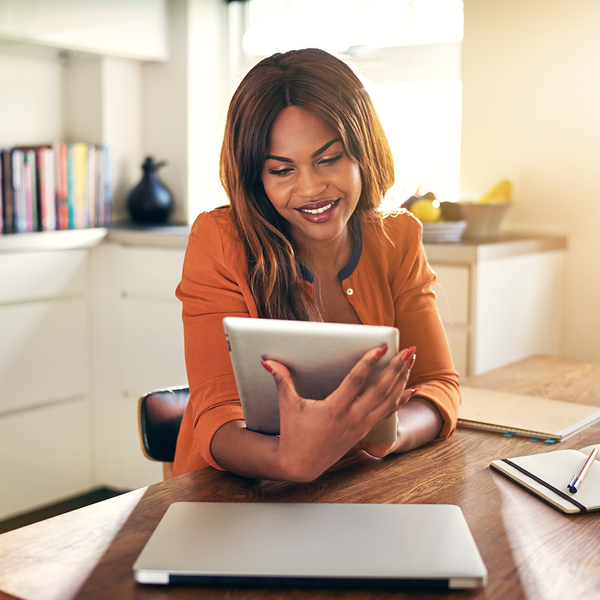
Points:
(419, 422)
(246, 452)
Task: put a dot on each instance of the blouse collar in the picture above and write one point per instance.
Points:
(351, 265)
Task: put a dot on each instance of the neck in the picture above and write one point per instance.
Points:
(326, 257)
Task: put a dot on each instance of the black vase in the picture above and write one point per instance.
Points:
(150, 202)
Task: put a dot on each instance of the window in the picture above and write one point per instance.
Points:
(408, 53)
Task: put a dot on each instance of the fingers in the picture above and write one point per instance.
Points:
(283, 379)
(388, 393)
(354, 383)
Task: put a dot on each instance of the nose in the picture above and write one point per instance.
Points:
(310, 183)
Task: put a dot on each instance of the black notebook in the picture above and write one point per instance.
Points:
(547, 475)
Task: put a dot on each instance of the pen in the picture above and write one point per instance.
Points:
(577, 479)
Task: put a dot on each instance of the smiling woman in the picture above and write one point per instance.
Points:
(306, 165)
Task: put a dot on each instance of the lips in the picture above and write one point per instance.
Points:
(317, 208)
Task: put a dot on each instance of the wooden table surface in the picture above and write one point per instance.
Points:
(530, 549)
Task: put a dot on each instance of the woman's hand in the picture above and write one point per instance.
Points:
(314, 434)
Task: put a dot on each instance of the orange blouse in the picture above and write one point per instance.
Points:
(388, 284)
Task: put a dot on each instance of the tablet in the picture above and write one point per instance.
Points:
(318, 355)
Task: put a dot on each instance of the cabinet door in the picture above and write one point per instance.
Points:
(452, 293)
(132, 28)
(44, 353)
(45, 455)
(17, 18)
(26, 276)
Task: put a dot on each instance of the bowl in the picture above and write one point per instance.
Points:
(483, 220)
(443, 232)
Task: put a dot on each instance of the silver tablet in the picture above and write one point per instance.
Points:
(318, 355)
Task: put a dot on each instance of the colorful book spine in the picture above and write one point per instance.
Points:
(7, 196)
(47, 189)
(60, 186)
(61, 189)
(71, 185)
(91, 189)
(30, 186)
(19, 207)
(80, 156)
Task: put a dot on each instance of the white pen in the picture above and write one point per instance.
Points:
(577, 479)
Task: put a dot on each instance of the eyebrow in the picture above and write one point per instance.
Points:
(313, 155)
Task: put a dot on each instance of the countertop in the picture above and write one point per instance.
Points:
(465, 251)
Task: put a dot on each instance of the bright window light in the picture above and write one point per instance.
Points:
(408, 52)
(422, 120)
(338, 25)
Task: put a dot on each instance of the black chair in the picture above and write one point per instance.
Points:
(159, 418)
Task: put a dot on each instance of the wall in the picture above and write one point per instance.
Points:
(530, 114)
(30, 91)
(188, 93)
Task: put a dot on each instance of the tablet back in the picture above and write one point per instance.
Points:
(348, 545)
(318, 355)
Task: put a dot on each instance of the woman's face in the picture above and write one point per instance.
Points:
(310, 180)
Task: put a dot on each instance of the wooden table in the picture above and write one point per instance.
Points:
(531, 550)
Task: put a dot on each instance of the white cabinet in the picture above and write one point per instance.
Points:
(139, 346)
(45, 378)
(129, 28)
(499, 302)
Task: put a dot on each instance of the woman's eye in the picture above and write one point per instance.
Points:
(332, 160)
(280, 172)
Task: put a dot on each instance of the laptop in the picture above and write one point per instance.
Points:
(405, 546)
(319, 356)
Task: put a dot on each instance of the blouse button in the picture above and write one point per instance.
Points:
(349, 291)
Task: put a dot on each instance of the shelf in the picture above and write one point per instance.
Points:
(52, 240)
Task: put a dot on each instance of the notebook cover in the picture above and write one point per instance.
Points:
(523, 415)
(547, 475)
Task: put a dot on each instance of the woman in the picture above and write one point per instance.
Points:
(305, 164)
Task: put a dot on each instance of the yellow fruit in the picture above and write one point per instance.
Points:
(501, 192)
(426, 211)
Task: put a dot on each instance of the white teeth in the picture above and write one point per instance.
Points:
(317, 211)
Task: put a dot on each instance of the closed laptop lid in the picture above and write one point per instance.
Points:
(353, 545)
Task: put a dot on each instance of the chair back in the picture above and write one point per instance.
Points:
(159, 418)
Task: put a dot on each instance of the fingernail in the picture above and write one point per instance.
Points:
(267, 366)
(381, 351)
(411, 361)
(408, 353)
(414, 393)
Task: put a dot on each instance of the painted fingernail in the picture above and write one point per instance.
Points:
(267, 366)
(408, 353)
(381, 351)
(411, 361)
(414, 393)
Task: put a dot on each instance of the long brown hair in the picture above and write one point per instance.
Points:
(325, 86)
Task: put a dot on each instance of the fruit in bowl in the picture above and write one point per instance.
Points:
(443, 222)
(427, 211)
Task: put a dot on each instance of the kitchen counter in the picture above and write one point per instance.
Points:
(466, 251)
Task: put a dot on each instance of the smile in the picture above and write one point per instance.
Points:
(318, 211)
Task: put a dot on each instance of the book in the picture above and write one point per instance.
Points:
(61, 188)
(7, 192)
(547, 476)
(19, 202)
(54, 186)
(39, 187)
(540, 418)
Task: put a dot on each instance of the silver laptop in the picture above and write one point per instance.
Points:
(319, 356)
(316, 545)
